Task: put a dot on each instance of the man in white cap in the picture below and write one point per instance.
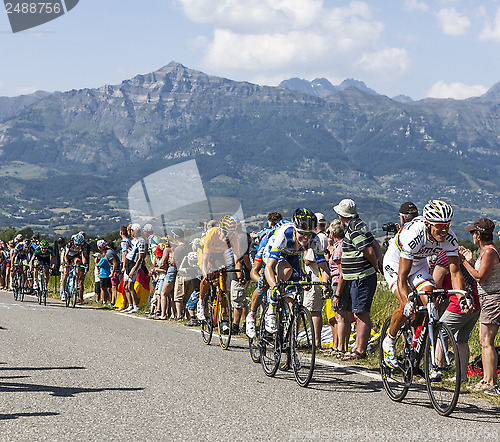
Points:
(133, 261)
(361, 258)
(313, 298)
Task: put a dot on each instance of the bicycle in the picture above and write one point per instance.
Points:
(217, 303)
(41, 291)
(253, 346)
(295, 336)
(17, 285)
(72, 286)
(444, 388)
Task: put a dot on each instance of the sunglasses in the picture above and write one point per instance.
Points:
(441, 226)
(304, 232)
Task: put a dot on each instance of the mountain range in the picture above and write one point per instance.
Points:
(68, 159)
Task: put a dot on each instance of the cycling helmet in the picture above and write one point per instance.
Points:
(227, 223)
(437, 211)
(44, 244)
(101, 244)
(79, 238)
(304, 219)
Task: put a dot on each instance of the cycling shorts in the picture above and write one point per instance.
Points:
(418, 278)
(294, 261)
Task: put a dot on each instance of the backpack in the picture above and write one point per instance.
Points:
(476, 367)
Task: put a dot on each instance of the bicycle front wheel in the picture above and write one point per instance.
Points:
(303, 347)
(207, 326)
(270, 348)
(74, 293)
(70, 282)
(224, 319)
(396, 380)
(443, 377)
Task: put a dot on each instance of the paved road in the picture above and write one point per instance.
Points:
(86, 374)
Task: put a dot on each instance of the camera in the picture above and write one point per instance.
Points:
(390, 228)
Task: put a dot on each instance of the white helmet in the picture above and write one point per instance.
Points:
(437, 211)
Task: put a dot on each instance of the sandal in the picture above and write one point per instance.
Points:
(482, 385)
(353, 355)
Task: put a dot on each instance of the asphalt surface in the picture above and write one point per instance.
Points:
(89, 374)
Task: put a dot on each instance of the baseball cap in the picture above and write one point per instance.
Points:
(482, 225)
(178, 232)
(135, 227)
(320, 217)
(147, 228)
(408, 208)
(346, 208)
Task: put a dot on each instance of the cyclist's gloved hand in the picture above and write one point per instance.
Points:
(408, 310)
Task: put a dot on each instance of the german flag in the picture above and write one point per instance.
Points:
(141, 287)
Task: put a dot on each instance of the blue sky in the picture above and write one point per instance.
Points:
(420, 48)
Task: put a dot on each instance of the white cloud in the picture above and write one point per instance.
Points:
(455, 90)
(264, 38)
(415, 5)
(491, 32)
(392, 60)
(453, 22)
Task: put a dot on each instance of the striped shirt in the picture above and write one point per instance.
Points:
(357, 238)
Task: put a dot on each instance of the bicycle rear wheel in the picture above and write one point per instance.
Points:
(22, 288)
(224, 321)
(443, 386)
(207, 326)
(303, 347)
(270, 349)
(253, 343)
(396, 380)
(69, 289)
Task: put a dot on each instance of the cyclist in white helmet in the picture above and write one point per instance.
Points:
(405, 264)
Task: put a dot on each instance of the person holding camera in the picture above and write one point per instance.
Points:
(407, 212)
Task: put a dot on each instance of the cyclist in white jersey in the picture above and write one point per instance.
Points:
(405, 264)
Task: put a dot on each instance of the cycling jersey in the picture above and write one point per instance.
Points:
(412, 242)
(284, 246)
(138, 247)
(20, 252)
(43, 256)
(73, 249)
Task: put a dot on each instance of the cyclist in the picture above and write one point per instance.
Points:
(405, 265)
(20, 259)
(76, 253)
(275, 221)
(284, 263)
(42, 255)
(220, 247)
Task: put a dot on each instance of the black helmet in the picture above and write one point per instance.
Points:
(305, 219)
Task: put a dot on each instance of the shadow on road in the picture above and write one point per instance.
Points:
(18, 415)
(40, 368)
(54, 390)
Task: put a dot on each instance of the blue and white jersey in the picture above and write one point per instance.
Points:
(284, 244)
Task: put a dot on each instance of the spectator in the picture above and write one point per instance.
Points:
(341, 299)
(125, 245)
(486, 271)
(105, 277)
(239, 282)
(194, 274)
(313, 297)
(133, 262)
(182, 284)
(97, 280)
(3, 264)
(360, 260)
(407, 212)
(158, 274)
(115, 266)
(461, 324)
(167, 307)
